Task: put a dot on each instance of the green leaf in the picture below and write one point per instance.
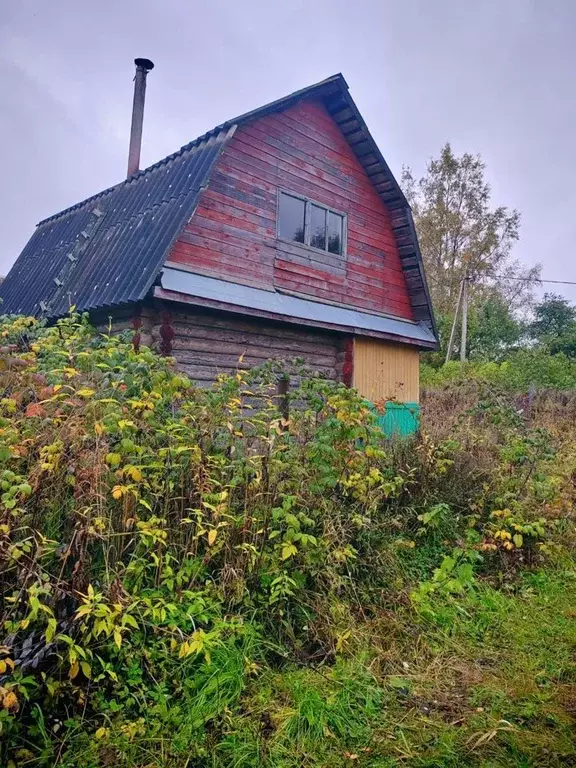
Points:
(288, 550)
(50, 630)
(400, 682)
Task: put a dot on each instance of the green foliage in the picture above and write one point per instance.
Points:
(189, 578)
(553, 316)
(460, 232)
(493, 333)
(521, 370)
(492, 330)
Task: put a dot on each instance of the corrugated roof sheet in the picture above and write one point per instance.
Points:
(282, 305)
(109, 249)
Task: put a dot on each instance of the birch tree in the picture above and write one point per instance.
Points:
(460, 231)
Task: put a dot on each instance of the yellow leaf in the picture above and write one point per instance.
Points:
(118, 638)
(133, 472)
(10, 702)
(74, 669)
(123, 423)
(98, 428)
(101, 733)
(212, 536)
(118, 491)
(2, 667)
(85, 392)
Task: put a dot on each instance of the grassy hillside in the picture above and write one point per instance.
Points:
(188, 579)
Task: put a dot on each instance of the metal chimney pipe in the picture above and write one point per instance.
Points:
(143, 66)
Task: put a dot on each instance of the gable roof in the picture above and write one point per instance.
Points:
(110, 249)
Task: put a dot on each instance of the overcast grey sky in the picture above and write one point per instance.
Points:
(495, 77)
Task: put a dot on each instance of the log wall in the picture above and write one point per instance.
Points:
(206, 343)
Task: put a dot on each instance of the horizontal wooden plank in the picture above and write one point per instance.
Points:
(241, 166)
(210, 321)
(342, 168)
(223, 267)
(309, 257)
(230, 356)
(203, 337)
(263, 212)
(208, 373)
(325, 159)
(233, 233)
(375, 300)
(213, 240)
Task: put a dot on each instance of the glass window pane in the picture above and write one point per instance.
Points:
(318, 227)
(335, 234)
(291, 215)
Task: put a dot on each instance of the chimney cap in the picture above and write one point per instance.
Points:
(144, 64)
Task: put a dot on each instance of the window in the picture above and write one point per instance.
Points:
(292, 218)
(311, 224)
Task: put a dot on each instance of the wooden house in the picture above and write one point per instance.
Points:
(279, 234)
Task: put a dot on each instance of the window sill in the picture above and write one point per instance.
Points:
(314, 258)
(310, 248)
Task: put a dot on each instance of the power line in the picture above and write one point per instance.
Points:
(520, 279)
(536, 280)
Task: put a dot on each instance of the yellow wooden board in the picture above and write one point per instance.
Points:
(384, 371)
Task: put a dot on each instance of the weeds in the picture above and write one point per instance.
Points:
(190, 578)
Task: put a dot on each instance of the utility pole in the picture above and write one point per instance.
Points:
(464, 318)
(454, 323)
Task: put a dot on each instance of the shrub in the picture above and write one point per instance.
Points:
(521, 370)
(167, 551)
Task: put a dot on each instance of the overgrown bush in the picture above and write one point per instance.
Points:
(173, 558)
(521, 370)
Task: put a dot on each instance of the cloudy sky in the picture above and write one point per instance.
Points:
(496, 77)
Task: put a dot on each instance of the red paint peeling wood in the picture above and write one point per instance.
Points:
(348, 367)
(232, 235)
(166, 333)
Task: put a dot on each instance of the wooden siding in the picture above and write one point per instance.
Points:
(384, 371)
(206, 344)
(232, 234)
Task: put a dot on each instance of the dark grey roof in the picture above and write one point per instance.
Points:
(109, 249)
(275, 305)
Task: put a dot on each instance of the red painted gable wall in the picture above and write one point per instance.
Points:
(232, 235)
